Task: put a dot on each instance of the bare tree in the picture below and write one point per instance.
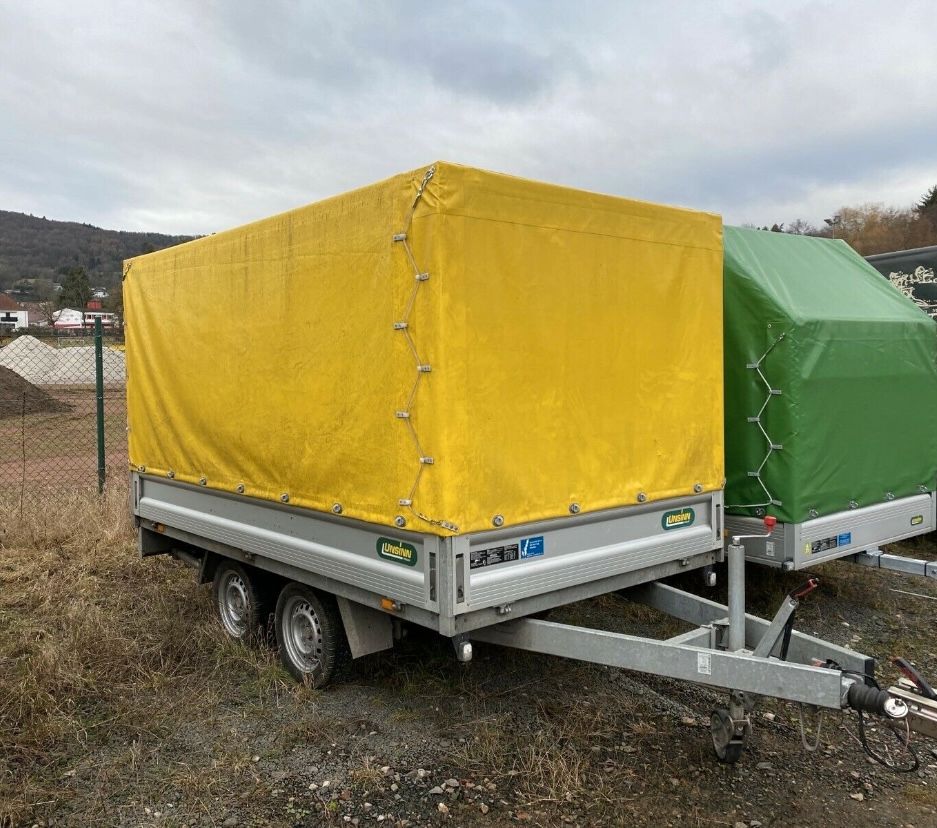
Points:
(875, 228)
(47, 304)
(801, 227)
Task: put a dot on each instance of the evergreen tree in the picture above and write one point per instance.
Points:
(926, 210)
(76, 289)
(929, 201)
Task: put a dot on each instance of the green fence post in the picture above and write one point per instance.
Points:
(99, 390)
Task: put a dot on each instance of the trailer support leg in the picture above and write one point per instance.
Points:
(736, 558)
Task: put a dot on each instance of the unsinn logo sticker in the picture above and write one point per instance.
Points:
(678, 518)
(396, 551)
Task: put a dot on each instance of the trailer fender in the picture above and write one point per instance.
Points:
(152, 542)
(368, 630)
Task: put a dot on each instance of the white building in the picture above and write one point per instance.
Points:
(68, 319)
(12, 315)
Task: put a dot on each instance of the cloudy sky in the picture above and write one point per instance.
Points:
(189, 116)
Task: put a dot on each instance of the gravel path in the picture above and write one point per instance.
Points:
(413, 738)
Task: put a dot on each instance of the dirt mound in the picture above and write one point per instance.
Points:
(17, 396)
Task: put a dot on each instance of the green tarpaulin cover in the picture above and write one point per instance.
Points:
(831, 365)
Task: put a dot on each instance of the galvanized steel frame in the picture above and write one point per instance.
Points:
(738, 671)
(728, 650)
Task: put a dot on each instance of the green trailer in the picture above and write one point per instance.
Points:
(830, 403)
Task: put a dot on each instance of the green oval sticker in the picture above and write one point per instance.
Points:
(678, 518)
(397, 551)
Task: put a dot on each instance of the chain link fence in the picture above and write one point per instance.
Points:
(63, 414)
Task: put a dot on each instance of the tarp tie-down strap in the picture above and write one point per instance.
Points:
(402, 325)
(758, 420)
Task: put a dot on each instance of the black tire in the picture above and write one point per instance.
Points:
(309, 632)
(241, 600)
(726, 745)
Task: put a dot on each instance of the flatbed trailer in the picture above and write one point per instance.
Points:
(456, 399)
(831, 405)
(254, 551)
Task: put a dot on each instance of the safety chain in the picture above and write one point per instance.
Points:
(803, 729)
(757, 420)
(403, 326)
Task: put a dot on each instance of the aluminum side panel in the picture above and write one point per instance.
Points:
(342, 551)
(570, 553)
(800, 545)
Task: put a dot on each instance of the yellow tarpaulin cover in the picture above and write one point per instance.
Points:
(482, 346)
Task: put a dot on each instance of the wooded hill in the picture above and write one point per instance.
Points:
(40, 248)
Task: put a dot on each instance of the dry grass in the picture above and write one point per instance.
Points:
(85, 661)
(118, 690)
(367, 776)
(560, 756)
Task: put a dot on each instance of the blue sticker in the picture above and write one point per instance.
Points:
(845, 539)
(532, 547)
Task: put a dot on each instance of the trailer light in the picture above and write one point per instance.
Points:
(390, 605)
(770, 522)
(159, 527)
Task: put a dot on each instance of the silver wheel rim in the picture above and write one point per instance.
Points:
(302, 634)
(234, 604)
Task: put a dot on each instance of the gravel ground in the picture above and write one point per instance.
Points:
(413, 738)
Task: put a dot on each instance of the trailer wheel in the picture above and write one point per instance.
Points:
(726, 744)
(309, 634)
(241, 601)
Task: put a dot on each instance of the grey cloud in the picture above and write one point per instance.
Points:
(482, 49)
(801, 162)
(193, 117)
(498, 71)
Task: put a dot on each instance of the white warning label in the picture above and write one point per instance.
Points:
(704, 664)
